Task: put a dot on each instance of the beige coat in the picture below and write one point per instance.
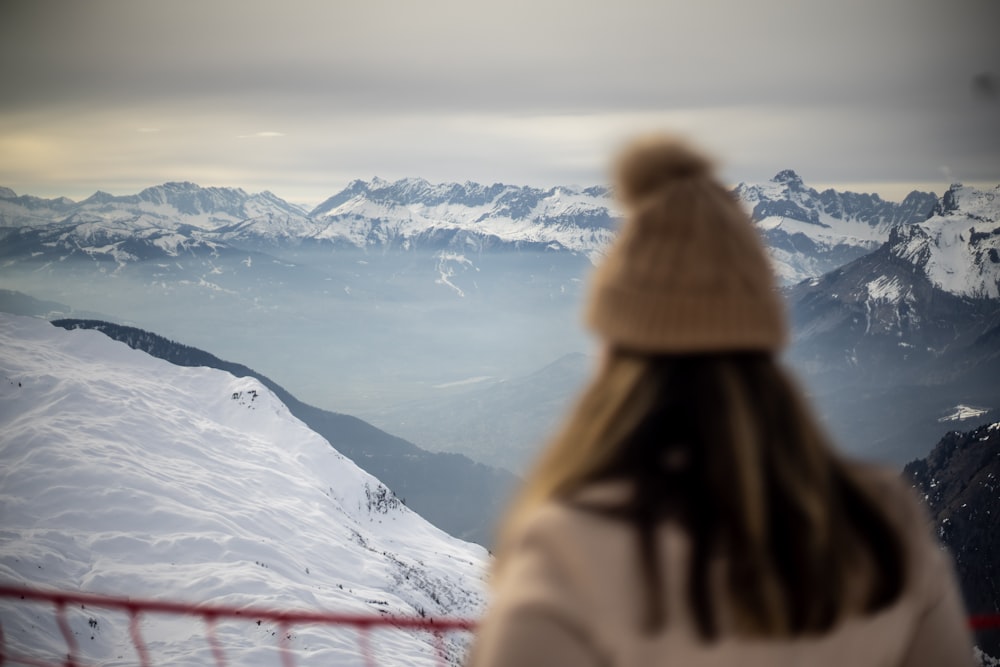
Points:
(571, 595)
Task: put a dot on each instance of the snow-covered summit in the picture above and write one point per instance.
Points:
(126, 475)
(959, 247)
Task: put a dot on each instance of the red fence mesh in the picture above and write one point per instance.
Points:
(285, 619)
(210, 615)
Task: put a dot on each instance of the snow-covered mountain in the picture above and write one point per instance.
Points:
(171, 203)
(413, 212)
(891, 342)
(126, 475)
(958, 248)
(162, 221)
(931, 286)
(810, 233)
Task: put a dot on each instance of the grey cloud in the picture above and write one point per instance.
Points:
(519, 91)
(512, 55)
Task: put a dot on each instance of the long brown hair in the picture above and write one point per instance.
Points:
(726, 444)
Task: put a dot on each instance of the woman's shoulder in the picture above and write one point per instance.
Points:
(571, 523)
(889, 491)
(929, 564)
(573, 560)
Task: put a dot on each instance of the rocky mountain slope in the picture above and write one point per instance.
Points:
(960, 481)
(927, 286)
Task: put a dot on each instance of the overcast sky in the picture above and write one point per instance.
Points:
(302, 97)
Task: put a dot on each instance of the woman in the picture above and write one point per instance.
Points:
(691, 511)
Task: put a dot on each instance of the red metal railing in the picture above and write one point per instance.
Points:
(210, 614)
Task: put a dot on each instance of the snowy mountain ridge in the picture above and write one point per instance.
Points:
(808, 232)
(126, 475)
(412, 210)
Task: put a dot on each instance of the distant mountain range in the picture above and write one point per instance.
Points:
(809, 232)
(183, 218)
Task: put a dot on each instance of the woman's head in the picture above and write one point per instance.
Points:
(688, 273)
(686, 284)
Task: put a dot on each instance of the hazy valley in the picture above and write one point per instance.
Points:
(448, 314)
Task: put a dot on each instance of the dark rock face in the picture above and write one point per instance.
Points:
(880, 310)
(960, 481)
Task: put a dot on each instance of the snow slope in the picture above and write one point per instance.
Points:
(125, 475)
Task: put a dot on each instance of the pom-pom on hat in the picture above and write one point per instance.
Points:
(688, 273)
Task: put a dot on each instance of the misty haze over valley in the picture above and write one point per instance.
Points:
(449, 314)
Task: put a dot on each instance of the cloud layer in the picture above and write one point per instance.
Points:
(299, 97)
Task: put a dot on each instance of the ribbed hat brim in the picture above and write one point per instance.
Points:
(655, 322)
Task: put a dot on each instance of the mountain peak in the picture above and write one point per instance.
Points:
(980, 204)
(99, 197)
(179, 185)
(788, 177)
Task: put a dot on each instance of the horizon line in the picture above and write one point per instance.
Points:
(892, 191)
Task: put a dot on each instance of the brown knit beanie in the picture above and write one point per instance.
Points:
(688, 273)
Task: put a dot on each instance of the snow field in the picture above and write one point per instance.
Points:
(125, 475)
